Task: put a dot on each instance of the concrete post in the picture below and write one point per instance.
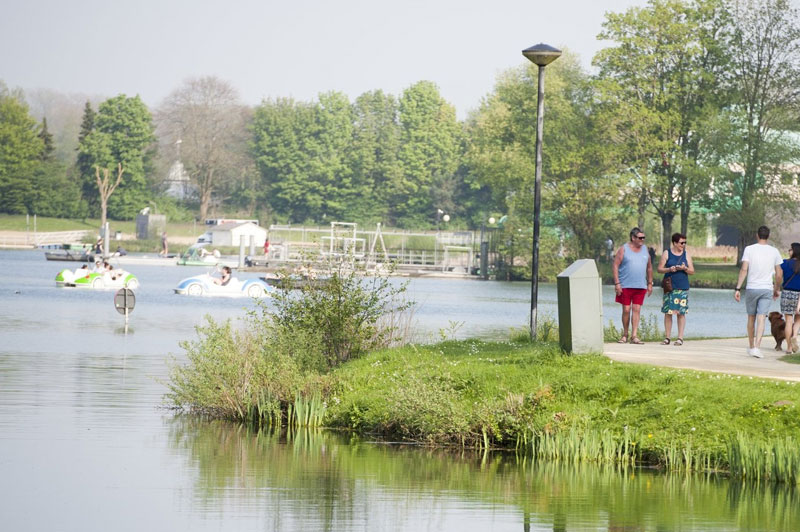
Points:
(580, 308)
(241, 250)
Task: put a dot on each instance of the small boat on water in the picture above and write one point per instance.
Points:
(198, 255)
(70, 253)
(83, 278)
(204, 285)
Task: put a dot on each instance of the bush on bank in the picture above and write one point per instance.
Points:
(271, 367)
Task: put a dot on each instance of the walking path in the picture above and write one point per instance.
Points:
(728, 355)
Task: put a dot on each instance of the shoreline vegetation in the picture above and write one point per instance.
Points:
(334, 356)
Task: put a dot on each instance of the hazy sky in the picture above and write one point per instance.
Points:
(274, 48)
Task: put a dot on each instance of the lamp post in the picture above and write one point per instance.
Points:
(541, 55)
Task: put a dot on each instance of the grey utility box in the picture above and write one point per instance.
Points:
(580, 308)
(150, 225)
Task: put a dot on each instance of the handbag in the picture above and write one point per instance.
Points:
(666, 283)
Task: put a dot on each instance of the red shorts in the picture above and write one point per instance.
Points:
(631, 295)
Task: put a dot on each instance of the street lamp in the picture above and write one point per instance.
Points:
(542, 55)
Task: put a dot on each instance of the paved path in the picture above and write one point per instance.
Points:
(728, 355)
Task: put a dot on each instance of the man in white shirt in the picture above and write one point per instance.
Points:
(761, 265)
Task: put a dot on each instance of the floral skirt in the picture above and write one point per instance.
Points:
(789, 299)
(676, 302)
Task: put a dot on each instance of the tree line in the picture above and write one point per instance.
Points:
(692, 111)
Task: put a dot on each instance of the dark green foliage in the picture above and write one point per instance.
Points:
(21, 151)
(122, 133)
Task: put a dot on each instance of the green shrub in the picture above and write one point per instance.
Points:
(345, 315)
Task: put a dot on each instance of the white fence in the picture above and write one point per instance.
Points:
(28, 239)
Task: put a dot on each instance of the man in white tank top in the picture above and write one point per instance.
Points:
(633, 278)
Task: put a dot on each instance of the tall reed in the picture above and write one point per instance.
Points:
(777, 460)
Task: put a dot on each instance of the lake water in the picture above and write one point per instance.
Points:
(85, 444)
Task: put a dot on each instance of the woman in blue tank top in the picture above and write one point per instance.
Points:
(676, 264)
(790, 297)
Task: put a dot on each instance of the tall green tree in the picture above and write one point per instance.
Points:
(374, 155)
(330, 173)
(580, 188)
(280, 131)
(21, 151)
(764, 79)
(429, 154)
(122, 135)
(660, 78)
(84, 162)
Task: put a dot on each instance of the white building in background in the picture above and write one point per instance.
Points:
(230, 234)
(179, 186)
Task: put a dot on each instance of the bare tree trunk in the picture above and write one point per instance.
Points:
(105, 188)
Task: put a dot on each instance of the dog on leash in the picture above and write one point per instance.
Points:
(777, 325)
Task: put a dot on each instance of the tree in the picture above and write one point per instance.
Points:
(21, 151)
(106, 188)
(429, 153)
(764, 41)
(374, 155)
(661, 79)
(122, 135)
(281, 129)
(206, 115)
(84, 161)
(580, 188)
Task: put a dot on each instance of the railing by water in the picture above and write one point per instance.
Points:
(29, 239)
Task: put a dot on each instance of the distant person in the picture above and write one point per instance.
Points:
(98, 267)
(164, 244)
(761, 264)
(633, 279)
(98, 246)
(609, 249)
(790, 296)
(652, 252)
(226, 276)
(266, 247)
(83, 271)
(677, 265)
(121, 251)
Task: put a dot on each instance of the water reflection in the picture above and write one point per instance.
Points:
(318, 480)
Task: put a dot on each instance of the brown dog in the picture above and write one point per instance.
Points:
(778, 325)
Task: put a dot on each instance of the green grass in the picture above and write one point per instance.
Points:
(17, 222)
(570, 408)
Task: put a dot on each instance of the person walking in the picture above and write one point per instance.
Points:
(676, 264)
(164, 244)
(761, 266)
(633, 279)
(790, 296)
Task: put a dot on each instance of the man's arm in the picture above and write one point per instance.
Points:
(776, 291)
(742, 275)
(649, 276)
(615, 269)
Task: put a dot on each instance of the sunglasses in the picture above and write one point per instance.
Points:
(682, 243)
(641, 237)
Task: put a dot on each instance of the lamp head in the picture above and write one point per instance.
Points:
(542, 54)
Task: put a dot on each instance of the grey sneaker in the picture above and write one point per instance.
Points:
(755, 352)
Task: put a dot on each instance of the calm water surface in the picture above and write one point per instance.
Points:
(85, 446)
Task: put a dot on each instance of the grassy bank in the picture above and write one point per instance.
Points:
(531, 398)
(571, 408)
